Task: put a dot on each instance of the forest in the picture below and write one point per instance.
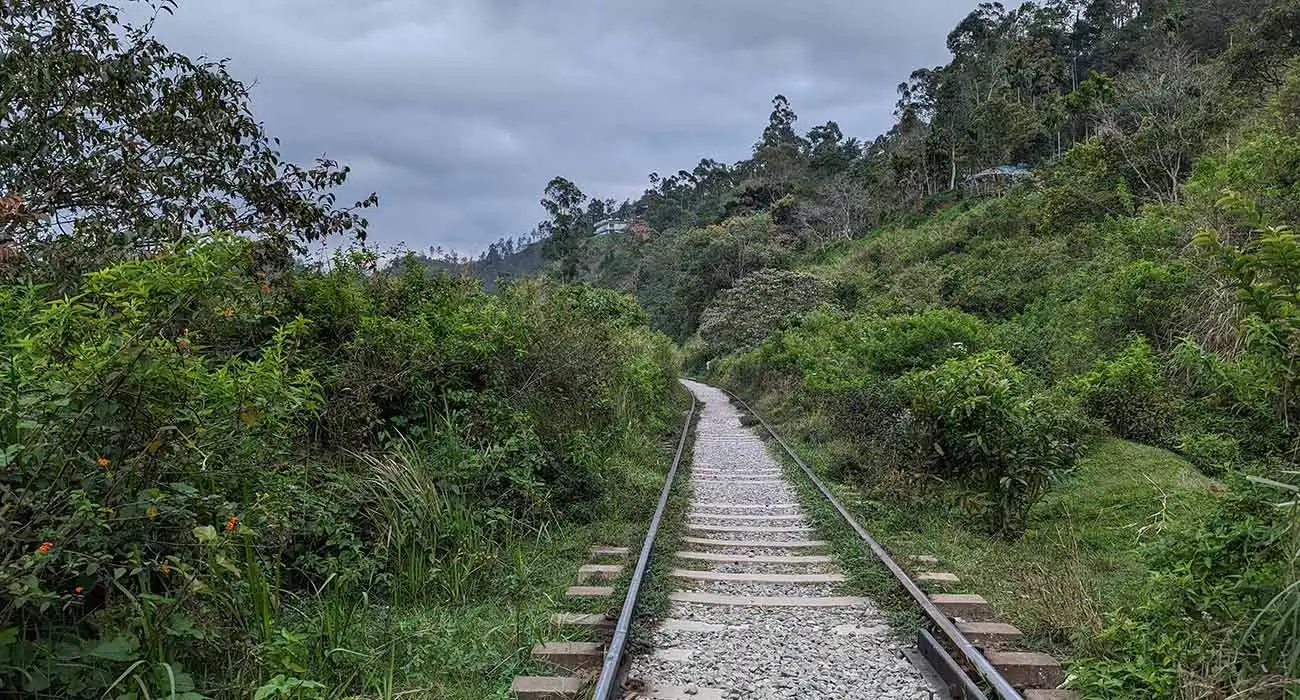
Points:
(1045, 325)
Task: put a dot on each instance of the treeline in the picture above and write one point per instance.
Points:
(1152, 84)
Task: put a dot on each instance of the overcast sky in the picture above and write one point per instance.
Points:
(457, 112)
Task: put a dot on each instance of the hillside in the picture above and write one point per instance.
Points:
(1047, 327)
(1079, 229)
(497, 264)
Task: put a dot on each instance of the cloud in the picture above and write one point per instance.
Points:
(457, 112)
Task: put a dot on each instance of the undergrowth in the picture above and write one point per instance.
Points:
(230, 475)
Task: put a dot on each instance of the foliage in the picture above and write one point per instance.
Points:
(1128, 394)
(1081, 187)
(1265, 273)
(830, 350)
(1261, 171)
(172, 434)
(1215, 584)
(985, 425)
(568, 225)
(112, 134)
(761, 303)
(1158, 120)
(675, 276)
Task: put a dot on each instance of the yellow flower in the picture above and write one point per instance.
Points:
(152, 511)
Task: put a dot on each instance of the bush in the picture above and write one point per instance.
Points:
(983, 424)
(762, 303)
(191, 438)
(1212, 453)
(835, 351)
(1081, 187)
(1128, 394)
(880, 429)
(1208, 625)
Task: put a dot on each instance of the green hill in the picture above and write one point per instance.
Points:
(1078, 229)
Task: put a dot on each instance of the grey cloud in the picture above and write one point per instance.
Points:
(458, 111)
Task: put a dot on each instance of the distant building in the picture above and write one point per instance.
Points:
(995, 180)
(605, 226)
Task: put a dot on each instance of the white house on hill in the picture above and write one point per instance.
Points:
(605, 226)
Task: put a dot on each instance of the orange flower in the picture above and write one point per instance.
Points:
(266, 289)
(166, 569)
(77, 589)
(227, 312)
(230, 524)
(45, 547)
(102, 461)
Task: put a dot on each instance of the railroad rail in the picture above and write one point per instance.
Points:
(945, 643)
(609, 670)
(947, 667)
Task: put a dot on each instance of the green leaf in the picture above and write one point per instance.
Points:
(205, 534)
(122, 648)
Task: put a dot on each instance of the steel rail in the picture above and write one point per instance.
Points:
(614, 654)
(1004, 689)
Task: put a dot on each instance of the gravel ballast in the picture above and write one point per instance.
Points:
(824, 653)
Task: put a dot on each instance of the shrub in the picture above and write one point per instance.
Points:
(1212, 453)
(760, 304)
(1262, 170)
(836, 351)
(883, 432)
(1082, 187)
(983, 424)
(172, 440)
(1203, 628)
(1128, 394)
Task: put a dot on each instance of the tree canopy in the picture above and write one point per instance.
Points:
(113, 141)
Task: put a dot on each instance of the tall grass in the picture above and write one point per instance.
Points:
(437, 545)
(1278, 624)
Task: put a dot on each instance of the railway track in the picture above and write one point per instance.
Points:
(758, 611)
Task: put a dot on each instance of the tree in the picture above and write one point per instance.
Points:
(778, 155)
(780, 124)
(568, 225)
(843, 209)
(828, 151)
(1262, 47)
(114, 143)
(1159, 120)
(760, 304)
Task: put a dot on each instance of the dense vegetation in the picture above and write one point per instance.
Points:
(230, 473)
(1081, 225)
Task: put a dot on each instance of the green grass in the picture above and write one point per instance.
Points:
(473, 651)
(1081, 557)
(471, 646)
(653, 600)
(479, 648)
(470, 650)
